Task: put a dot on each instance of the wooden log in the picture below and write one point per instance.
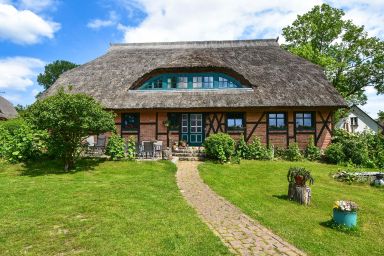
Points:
(300, 194)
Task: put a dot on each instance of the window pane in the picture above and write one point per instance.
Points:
(280, 123)
(272, 122)
(231, 122)
(130, 122)
(299, 115)
(308, 122)
(272, 115)
(280, 115)
(308, 115)
(183, 82)
(172, 83)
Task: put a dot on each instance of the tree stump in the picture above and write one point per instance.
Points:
(300, 194)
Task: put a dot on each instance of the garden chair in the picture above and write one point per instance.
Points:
(99, 146)
(158, 147)
(148, 148)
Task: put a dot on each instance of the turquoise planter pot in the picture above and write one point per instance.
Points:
(348, 219)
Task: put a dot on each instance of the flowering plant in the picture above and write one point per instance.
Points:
(345, 206)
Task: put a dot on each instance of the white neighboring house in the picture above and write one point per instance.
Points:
(359, 121)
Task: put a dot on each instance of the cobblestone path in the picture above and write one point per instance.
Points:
(242, 235)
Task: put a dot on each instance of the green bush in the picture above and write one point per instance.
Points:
(115, 147)
(131, 148)
(242, 149)
(219, 146)
(258, 151)
(360, 149)
(19, 142)
(312, 152)
(334, 153)
(293, 153)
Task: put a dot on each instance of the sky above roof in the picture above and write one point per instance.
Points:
(34, 33)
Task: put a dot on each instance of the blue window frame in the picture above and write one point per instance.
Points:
(183, 81)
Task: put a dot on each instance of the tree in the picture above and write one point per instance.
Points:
(52, 72)
(69, 119)
(381, 117)
(352, 60)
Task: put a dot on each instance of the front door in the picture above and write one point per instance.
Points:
(192, 129)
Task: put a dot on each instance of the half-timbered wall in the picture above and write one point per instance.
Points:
(256, 125)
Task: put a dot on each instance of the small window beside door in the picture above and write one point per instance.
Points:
(130, 122)
(235, 121)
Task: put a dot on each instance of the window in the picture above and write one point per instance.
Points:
(158, 84)
(130, 122)
(354, 121)
(172, 83)
(208, 82)
(235, 121)
(277, 121)
(223, 82)
(305, 121)
(174, 121)
(203, 80)
(183, 82)
(197, 82)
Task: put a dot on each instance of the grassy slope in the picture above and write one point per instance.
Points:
(259, 188)
(111, 208)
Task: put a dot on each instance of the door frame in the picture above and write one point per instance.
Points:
(188, 134)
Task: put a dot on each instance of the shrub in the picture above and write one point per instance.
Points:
(19, 142)
(219, 146)
(258, 151)
(312, 152)
(115, 147)
(69, 118)
(334, 153)
(293, 153)
(242, 149)
(131, 148)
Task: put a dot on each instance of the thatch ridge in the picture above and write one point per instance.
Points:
(278, 78)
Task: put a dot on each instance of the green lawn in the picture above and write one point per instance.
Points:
(103, 208)
(259, 188)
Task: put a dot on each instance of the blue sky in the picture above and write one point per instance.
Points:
(36, 32)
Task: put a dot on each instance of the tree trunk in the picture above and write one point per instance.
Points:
(300, 194)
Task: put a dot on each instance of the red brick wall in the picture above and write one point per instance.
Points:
(148, 127)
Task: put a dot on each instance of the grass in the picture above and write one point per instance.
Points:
(259, 188)
(102, 208)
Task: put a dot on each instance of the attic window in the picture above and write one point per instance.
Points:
(185, 81)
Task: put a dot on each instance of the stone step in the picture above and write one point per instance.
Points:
(179, 154)
(187, 151)
(191, 158)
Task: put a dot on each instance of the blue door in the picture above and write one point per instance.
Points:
(192, 128)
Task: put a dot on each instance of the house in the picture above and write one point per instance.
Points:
(7, 111)
(359, 121)
(174, 91)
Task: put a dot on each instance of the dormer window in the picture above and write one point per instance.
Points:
(185, 81)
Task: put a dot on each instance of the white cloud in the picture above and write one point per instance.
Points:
(36, 5)
(99, 23)
(18, 73)
(214, 20)
(24, 27)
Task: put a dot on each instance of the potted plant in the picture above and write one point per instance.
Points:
(299, 176)
(183, 143)
(166, 123)
(345, 213)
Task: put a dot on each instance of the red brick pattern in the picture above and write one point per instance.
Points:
(148, 127)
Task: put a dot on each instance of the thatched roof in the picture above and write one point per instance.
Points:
(7, 111)
(275, 77)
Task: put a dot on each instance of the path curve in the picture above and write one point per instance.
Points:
(241, 234)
